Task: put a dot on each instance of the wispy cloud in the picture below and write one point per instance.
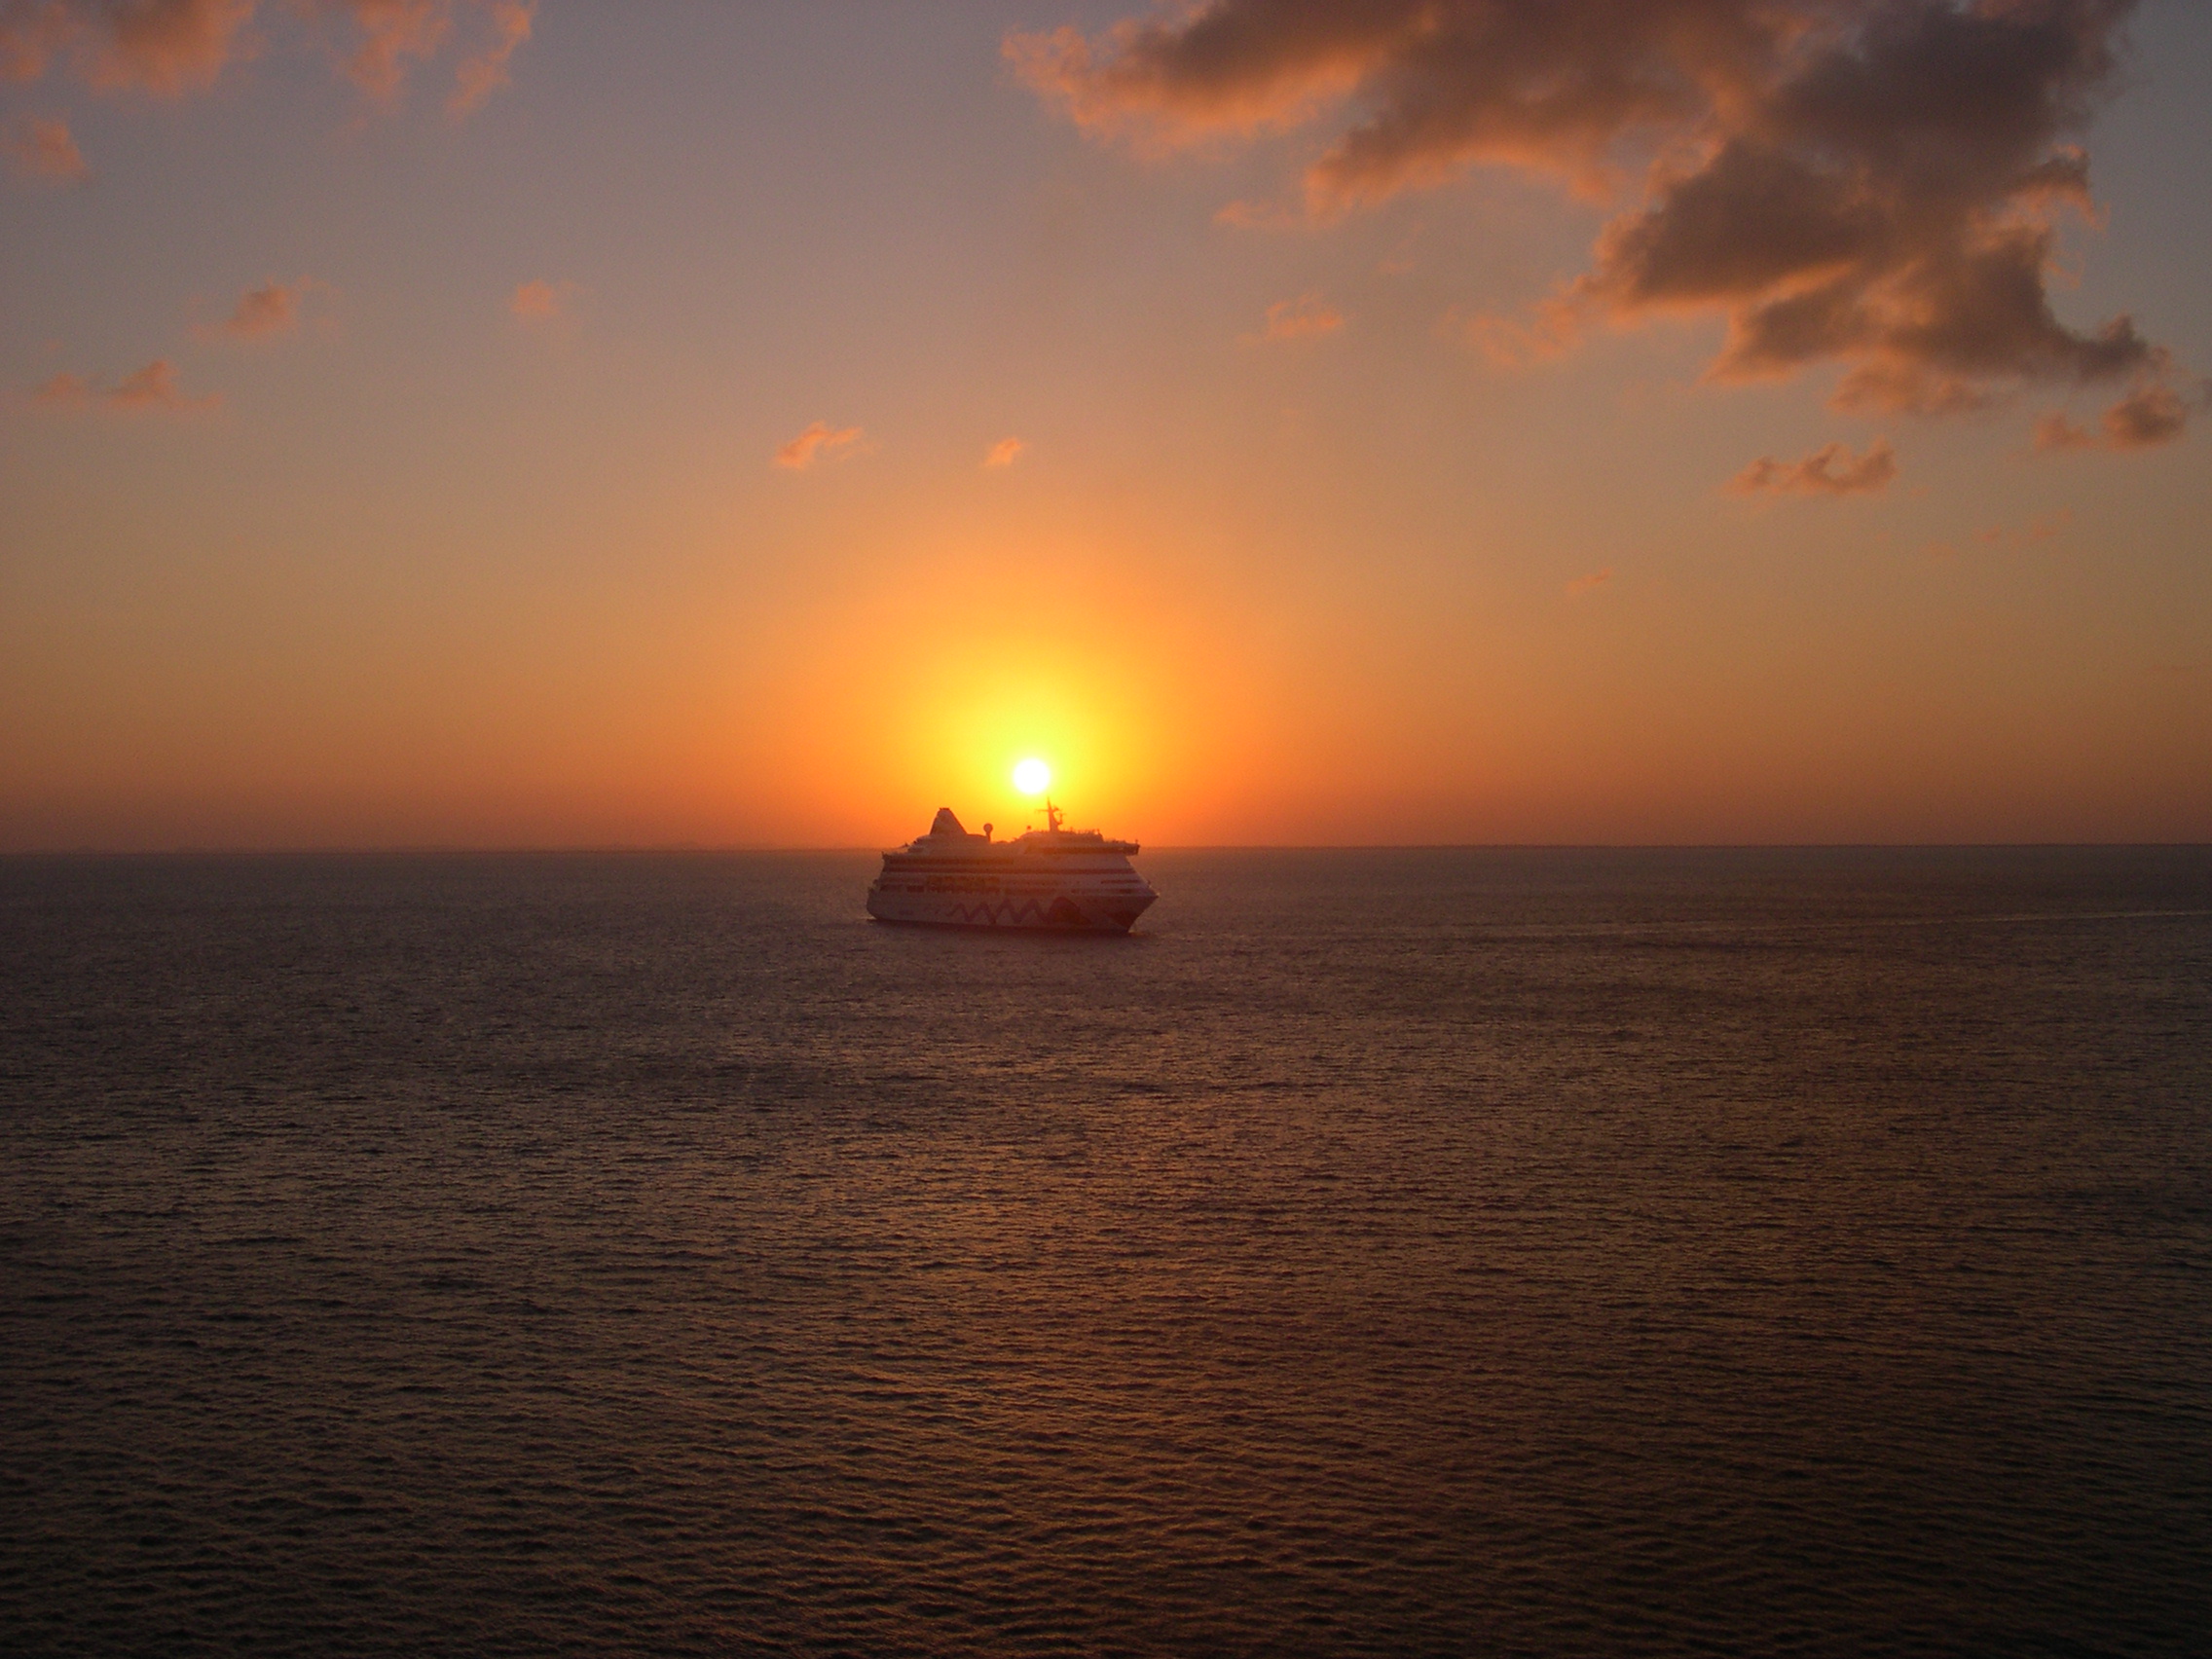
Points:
(1590, 584)
(63, 391)
(1871, 185)
(537, 302)
(164, 47)
(31, 35)
(1551, 330)
(819, 442)
(2040, 528)
(154, 387)
(1829, 471)
(1004, 453)
(1305, 317)
(41, 147)
(171, 48)
(2054, 434)
(153, 390)
(486, 71)
(391, 32)
(1258, 216)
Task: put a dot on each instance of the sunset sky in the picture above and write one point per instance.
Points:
(432, 422)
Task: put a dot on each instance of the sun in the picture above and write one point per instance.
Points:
(1032, 776)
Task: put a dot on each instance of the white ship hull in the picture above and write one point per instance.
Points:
(1054, 880)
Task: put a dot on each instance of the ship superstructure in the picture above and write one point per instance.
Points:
(1068, 879)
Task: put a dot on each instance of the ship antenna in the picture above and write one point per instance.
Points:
(1051, 815)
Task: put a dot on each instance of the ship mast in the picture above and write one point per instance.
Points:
(1051, 817)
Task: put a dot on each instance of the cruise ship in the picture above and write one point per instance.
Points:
(1068, 879)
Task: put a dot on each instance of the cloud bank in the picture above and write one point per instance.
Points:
(1871, 185)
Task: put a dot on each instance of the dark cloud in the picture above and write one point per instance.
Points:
(1830, 470)
(2148, 416)
(2151, 414)
(1867, 183)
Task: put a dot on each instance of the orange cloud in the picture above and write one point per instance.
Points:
(1305, 319)
(164, 47)
(539, 302)
(1271, 68)
(1552, 330)
(391, 32)
(819, 442)
(29, 36)
(485, 73)
(62, 391)
(1830, 470)
(40, 147)
(1596, 579)
(169, 48)
(1865, 183)
(1004, 453)
(153, 390)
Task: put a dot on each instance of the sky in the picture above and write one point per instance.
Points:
(478, 423)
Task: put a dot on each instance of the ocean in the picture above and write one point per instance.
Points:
(1408, 1252)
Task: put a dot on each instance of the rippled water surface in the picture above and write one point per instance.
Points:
(1449, 1252)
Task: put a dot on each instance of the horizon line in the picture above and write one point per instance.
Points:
(435, 849)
